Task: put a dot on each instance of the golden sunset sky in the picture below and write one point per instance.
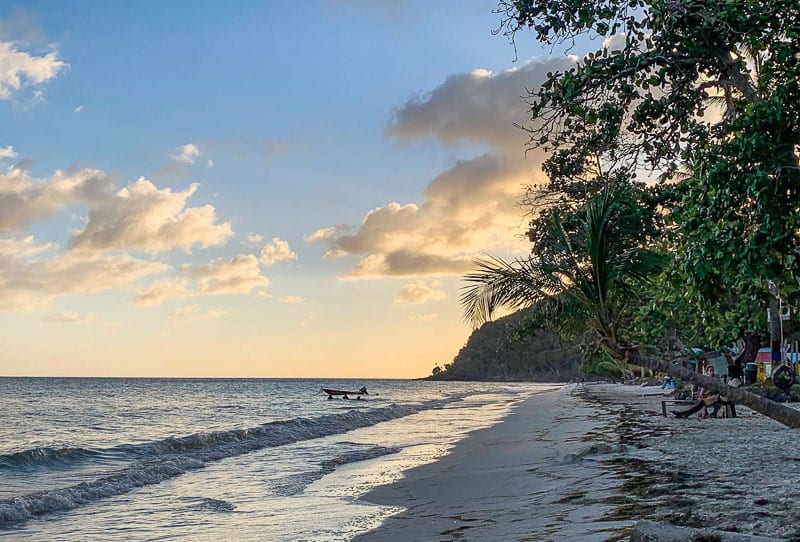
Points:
(254, 190)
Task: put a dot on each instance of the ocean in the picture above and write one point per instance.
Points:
(213, 459)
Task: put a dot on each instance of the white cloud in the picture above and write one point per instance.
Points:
(469, 208)
(403, 263)
(139, 216)
(24, 199)
(334, 254)
(277, 251)
(186, 154)
(479, 107)
(28, 282)
(24, 248)
(78, 109)
(253, 239)
(238, 276)
(69, 317)
(157, 292)
(193, 313)
(321, 234)
(418, 294)
(180, 162)
(19, 69)
(142, 216)
(615, 42)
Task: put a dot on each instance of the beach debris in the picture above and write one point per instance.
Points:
(650, 531)
(600, 448)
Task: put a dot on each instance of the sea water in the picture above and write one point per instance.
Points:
(210, 459)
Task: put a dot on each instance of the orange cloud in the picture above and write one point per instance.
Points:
(471, 207)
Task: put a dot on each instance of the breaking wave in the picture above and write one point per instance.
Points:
(157, 461)
(296, 483)
(44, 457)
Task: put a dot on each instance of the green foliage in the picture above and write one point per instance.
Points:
(642, 101)
(582, 284)
(498, 351)
(703, 95)
(708, 87)
(605, 366)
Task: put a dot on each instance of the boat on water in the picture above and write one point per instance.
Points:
(345, 394)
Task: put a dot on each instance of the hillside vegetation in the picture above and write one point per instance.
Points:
(498, 351)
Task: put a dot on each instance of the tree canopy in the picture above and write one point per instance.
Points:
(701, 99)
(686, 122)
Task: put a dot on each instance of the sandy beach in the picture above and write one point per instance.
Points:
(599, 462)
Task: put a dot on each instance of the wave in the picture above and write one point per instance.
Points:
(209, 504)
(44, 456)
(296, 483)
(164, 459)
(269, 434)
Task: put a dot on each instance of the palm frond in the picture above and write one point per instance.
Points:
(582, 279)
(498, 283)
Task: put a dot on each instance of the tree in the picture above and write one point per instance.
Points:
(591, 288)
(706, 87)
(709, 87)
(583, 285)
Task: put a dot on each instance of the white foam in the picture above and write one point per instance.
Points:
(172, 457)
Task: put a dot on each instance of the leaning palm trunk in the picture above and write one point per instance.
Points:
(779, 412)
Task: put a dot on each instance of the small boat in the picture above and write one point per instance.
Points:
(345, 394)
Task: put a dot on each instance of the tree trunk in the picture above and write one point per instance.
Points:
(777, 411)
(752, 343)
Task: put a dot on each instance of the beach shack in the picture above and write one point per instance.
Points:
(764, 362)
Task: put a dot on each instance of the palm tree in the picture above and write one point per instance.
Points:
(588, 281)
(579, 282)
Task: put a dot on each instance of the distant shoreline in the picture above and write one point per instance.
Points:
(498, 380)
(292, 378)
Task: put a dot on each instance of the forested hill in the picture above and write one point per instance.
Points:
(495, 351)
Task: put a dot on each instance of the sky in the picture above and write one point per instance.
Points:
(254, 189)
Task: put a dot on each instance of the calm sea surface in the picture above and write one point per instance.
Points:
(171, 459)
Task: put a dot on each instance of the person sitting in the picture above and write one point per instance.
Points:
(704, 400)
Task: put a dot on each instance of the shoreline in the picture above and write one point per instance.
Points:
(590, 462)
(527, 474)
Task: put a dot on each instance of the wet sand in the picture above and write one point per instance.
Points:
(587, 463)
(526, 478)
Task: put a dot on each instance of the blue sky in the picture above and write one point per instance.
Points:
(377, 134)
